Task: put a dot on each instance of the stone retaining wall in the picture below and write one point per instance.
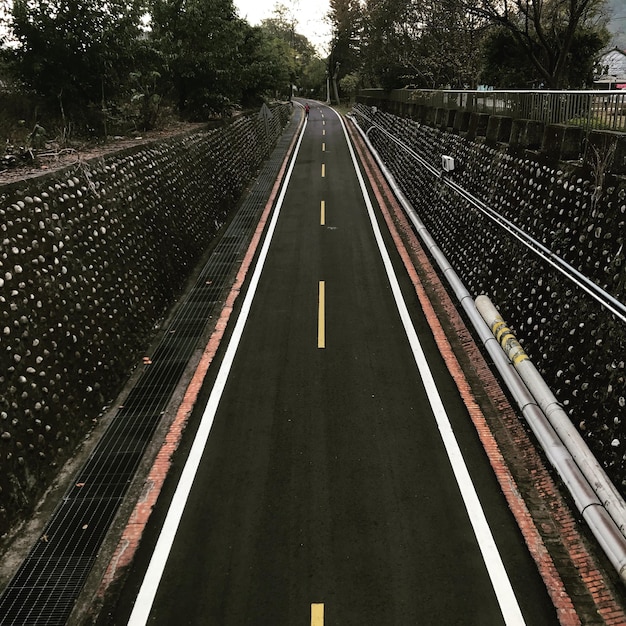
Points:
(577, 345)
(91, 258)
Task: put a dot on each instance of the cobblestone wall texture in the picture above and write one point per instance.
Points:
(578, 346)
(91, 258)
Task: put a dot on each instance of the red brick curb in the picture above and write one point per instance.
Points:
(605, 603)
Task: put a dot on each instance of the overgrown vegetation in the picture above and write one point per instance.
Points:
(463, 43)
(84, 69)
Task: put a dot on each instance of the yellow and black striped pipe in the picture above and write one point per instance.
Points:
(507, 340)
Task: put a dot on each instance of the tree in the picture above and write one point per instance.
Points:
(389, 41)
(422, 43)
(345, 17)
(299, 50)
(91, 57)
(546, 30)
(350, 84)
(200, 41)
(267, 67)
(74, 51)
(313, 78)
(506, 64)
(449, 41)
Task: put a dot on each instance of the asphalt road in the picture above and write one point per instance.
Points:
(325, 492)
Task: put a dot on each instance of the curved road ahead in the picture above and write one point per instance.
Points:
(331, 480)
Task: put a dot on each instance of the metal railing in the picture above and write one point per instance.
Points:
(601, 110)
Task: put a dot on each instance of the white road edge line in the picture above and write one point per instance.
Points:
(152, 578)
(493, 561)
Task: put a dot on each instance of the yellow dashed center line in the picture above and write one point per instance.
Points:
(323, 213)
(323, 147)
(323, 170)
(321, 322)
(317, 615)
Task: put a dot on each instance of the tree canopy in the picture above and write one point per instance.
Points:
(460, 43)
(72, 49)
(346, 19)
(103, 61)
(201, 41)
(306, 69)
(550, 34)
(506, 64)
(424, 44)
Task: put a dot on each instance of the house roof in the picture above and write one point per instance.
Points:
(613, 64)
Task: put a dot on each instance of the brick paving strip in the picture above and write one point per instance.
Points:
(582, 590)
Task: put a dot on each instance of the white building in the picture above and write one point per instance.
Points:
(611, 70)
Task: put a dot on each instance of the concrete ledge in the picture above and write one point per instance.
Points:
(419, 111)
(499, 129)
(554, 141)
(562, 142)
(527, 134)
(478, 125)
(444, 118)
(441, 118)
(461, 121)
(606, 148)
(430, 115)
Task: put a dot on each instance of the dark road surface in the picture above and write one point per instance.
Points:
(331, 489)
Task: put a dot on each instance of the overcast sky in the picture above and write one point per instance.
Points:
(309, 14)
(617, 25)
